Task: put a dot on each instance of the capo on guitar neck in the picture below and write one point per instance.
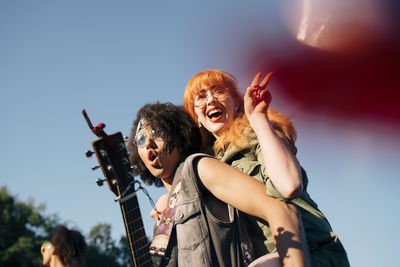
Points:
(122, 197)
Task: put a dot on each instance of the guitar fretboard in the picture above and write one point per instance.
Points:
(135, 231)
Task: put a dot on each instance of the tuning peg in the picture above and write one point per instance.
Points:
(95, 167)
(126, 139)
(100, 182)
(122, 146)
(125, 161)
(89, 153)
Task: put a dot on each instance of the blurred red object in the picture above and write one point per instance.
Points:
(340, 62)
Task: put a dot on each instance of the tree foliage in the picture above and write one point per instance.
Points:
(24, 227)
(23, 230)
(103, 249)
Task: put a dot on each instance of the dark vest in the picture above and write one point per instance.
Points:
(198, 237)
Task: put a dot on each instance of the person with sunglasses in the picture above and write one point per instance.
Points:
(205, 229)
(65, 249)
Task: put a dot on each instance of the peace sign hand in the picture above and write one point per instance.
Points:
(257, 98)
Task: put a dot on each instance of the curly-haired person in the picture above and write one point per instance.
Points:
(203, 190)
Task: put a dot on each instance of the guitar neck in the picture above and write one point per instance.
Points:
(111, 153)
(135, 232)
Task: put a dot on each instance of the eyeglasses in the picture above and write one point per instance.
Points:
(141, 138)
(218, 92)
(45, 246)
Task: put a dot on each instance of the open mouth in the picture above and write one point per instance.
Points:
(152, 157)
(214, 114)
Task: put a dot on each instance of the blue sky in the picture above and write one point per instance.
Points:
(111, 57)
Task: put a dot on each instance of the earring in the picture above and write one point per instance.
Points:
(199, 124)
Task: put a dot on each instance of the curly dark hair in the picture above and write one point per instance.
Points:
(176, 127)
(69, 245)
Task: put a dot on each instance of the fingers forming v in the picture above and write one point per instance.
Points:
(256, 79)
(266, 80)
(255, 88)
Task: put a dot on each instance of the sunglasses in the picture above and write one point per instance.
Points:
(45, 246)
(140, 139)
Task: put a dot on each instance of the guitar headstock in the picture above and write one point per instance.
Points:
(114, 162)
(113, 158)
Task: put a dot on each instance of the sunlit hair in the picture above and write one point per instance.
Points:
(234, 136)
(69, 245)
(174, 125)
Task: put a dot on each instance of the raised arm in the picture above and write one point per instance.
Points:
(282, 166)
(248, 195)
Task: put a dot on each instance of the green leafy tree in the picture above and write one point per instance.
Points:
(125, 254)
(23, 229)
(103, 251)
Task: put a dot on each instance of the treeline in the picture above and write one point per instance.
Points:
(25, 226)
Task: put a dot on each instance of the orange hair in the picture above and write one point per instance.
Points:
(233, 137)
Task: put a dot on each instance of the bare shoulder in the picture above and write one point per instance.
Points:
(208, 169)
(206, 165)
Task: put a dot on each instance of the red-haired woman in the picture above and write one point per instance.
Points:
(250, 136)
